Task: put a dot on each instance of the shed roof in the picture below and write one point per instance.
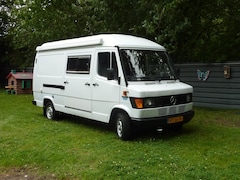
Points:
(20, 75)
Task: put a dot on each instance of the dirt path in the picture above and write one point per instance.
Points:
(23, 174)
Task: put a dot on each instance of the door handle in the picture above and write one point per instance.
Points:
(95, 84)
(65, 82)
(87, 84)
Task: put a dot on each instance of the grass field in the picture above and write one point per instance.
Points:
(32, 147)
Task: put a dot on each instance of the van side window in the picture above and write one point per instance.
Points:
(105, 62)
(79, 64)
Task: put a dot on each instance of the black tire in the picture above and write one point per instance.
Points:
(49, 111)
(123, 126)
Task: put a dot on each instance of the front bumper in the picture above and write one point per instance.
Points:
(162, 121)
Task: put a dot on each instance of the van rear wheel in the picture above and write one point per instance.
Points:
(49, 110)
(123, 126)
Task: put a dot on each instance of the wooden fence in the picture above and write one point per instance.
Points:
(215, 85)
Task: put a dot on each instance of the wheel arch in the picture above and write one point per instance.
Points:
(47, 99)
(116, 110)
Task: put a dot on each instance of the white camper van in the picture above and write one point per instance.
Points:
(112, 78)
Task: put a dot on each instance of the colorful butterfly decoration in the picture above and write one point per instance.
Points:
(202, 76)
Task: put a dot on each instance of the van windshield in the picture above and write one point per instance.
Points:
(146, 65)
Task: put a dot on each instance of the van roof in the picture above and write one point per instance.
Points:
(120, 40)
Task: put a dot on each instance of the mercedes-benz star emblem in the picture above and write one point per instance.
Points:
(173, 100)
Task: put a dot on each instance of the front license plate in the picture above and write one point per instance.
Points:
(175, 119)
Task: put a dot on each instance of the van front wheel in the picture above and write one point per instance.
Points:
(50, 112)
(123, 126)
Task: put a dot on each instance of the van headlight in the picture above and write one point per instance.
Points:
(149, 102)
(189, 98)
(141, 103)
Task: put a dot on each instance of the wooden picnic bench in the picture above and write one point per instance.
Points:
(10, 89)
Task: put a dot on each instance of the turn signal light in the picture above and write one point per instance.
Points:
(125, 94)
(138, 103)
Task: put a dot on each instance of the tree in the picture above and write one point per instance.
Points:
(5, 25)
(39, 21)
(5, 6)
(192, 31)
(196, 31)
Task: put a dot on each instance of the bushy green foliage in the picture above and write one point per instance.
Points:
(192, 31)
(197, 31)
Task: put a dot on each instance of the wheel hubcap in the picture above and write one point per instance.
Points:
(119, 128)
(49, 112)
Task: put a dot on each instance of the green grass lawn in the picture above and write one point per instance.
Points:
(31, 146)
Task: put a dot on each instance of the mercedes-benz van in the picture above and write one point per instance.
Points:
(113, 78)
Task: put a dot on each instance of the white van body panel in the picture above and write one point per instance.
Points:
(91, 95)
(163, 88)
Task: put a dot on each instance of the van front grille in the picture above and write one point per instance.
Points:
(162, 101)
(173, 100)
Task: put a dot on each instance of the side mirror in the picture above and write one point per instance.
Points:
(110, 73)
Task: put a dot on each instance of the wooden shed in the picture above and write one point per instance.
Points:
(215, 85)
(19, 82)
